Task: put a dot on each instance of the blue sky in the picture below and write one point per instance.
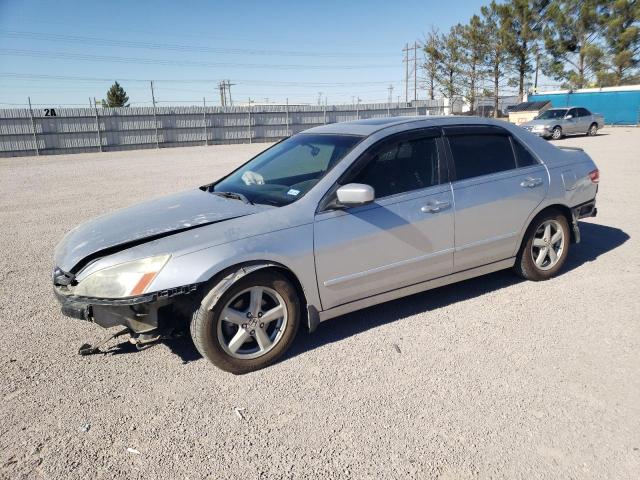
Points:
(270, 50)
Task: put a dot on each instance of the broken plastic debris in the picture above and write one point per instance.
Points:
(85, 427)
(239, 413)
(133, 450)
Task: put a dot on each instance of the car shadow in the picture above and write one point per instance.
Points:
(596, 240)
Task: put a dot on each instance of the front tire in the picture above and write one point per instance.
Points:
(252, 324)
(545, 247)
(556, 133)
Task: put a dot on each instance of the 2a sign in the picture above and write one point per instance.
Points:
(50, 112)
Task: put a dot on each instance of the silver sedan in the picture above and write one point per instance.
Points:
(332, 220)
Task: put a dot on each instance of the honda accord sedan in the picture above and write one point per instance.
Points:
(331, 220)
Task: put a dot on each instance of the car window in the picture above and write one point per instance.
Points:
(572, 112)
(302, 159)
(583, 112)
(553, 113)
(284, 173)
(524, 158)
(401, 166)
(476, 155)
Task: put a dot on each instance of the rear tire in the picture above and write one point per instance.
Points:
(593, 130)
(246, 331)
(545, 247)
(556, 133)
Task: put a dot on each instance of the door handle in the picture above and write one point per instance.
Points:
(531, 182)
(433, 207)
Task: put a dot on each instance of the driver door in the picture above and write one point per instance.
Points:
(571, 125)
(404, 237)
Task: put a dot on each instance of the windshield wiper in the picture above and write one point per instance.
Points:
(234, 196)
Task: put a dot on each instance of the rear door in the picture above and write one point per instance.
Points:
(497, 183)
(584, 120)
(404, 237)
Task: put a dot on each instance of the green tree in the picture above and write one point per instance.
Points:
(450, 63)
(621, 26)
(116, 97)
(526, 29)
(499, 42)
(474, 57)
(431, 48)
(571, 39)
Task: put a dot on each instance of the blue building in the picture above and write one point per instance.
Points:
(618, 105)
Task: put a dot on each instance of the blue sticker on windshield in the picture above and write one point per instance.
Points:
(293, 192)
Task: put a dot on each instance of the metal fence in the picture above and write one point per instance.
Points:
(74, 130)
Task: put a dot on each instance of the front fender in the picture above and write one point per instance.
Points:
(291, 248)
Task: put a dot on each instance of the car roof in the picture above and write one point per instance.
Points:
(366, 127)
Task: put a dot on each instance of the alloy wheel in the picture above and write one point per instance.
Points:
(557, 133)
(252, 322)
(548, 245)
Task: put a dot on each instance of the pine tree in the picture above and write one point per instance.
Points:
(116, 97)
(475, 52)
(450, 60)
(620, 21)
(431, 49)
(571, 39)
(527, 30)
(499, 41)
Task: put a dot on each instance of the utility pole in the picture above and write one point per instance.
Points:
(319, 98)
(405, 59)
(390, 89)
(415, 71)
(223, 96)
(225, 92)
(229, 90)
(155, 115)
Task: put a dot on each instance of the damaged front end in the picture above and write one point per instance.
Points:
(147, 317)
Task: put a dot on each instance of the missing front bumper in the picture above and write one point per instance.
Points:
(140, 314)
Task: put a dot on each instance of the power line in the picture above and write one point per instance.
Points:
(36, 76)
(182, 63)
(76, 39)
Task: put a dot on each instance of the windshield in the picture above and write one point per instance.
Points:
(285, 172)
(554, 113)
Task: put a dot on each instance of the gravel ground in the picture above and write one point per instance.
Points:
(490, 378)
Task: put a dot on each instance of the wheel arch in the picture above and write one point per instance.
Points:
(559, 207)
(220, 282)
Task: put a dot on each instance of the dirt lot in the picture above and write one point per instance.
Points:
(490, 378)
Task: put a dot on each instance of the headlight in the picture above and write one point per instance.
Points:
(124, 280)
(539, 128)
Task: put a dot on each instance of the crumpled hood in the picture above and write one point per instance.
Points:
(147, 221)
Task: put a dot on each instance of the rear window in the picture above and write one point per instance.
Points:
(524, 158)
(477, 155)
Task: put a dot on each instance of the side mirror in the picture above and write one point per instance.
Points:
(354, 194)
(568, 117)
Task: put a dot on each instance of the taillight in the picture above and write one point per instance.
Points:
(594, 176)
